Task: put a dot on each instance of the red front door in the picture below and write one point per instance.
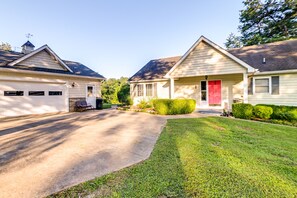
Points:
(214, 92)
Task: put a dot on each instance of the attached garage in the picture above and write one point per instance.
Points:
(19, 98)
(38, 81)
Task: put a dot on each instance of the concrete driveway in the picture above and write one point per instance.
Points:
(40, 155)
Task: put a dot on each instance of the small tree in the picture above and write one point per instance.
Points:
(124, 94)
(233, 41)
(5, 46)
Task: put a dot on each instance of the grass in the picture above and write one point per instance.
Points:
(208, 157)
(106, 106)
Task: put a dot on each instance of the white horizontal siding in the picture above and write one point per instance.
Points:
(205, 60)
(78, 91)
(232, 87)
(287, 92)
(42, 60)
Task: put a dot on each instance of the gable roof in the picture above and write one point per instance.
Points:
(281, 55)
(75, 68)
(155, 69)
(46, 48)
(215, 46)
(28, 43)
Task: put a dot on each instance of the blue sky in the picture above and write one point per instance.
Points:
(116, 38)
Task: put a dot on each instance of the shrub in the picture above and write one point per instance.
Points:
(143, 104)
(280, 112)
(242, 110)
(174, 106)
(291, 115)
(263, 112)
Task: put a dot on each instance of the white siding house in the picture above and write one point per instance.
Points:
(38, 81)
(216, 78)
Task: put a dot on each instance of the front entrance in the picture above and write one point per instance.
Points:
(214, 93)
(91, 95)
(210, 93)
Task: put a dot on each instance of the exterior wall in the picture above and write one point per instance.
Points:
(78, 91)
(162, 90)
(205, 60)
(287, 92)
(232, 88)
(43, 60)
(189, 87)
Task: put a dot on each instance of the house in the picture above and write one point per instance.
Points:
(216, 78)
(39, 81)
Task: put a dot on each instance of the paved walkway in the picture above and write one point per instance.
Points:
(40, 155)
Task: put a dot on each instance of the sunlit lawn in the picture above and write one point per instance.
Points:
(208, 157)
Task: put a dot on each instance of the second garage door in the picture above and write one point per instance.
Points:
(23, 98)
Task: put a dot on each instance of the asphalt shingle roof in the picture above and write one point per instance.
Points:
(78, 69)
(155, 69)
(281, 55)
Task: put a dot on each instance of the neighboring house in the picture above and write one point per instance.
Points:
(216, 78)
(38, 81)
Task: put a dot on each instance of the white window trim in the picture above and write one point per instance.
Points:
(144, 90)
(269, 86)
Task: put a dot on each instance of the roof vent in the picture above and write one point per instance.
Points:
(264, 60)
(27, 47)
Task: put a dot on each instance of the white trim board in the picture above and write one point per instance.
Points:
(48, 73)
(217, 47)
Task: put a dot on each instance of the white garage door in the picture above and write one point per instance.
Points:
(23, 98)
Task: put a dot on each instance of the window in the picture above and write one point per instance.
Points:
(262, 85)
(90, 91)
(139, 90)
(250, 86)
(36, 93)
(275, 85)
(55, 93)
(149, 89)
(13, 93)
(203, 91)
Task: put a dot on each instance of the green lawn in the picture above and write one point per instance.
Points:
(106, 106)
(208, 157)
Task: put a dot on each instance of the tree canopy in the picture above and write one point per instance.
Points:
(116, 91)
(265, 21)
(5, 46)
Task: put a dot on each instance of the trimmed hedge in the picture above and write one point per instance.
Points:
(174, 106)
(281, 112)
(242, 110)
(262, 112)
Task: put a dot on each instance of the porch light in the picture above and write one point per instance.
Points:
(206, 77)
(73, 85)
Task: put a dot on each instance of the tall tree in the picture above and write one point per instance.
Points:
(5, 46)
(268, 21)
(110, 90)
(233, 41)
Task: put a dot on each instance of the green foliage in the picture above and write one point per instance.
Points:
(263, 112)
(5, 46)
(242, 110)
(106, 106)
(281, 112)
(233, 41)
(124, 94)
(143, 104)
(115, 91)
(207, 157)
(174, 106)
(268, 21)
